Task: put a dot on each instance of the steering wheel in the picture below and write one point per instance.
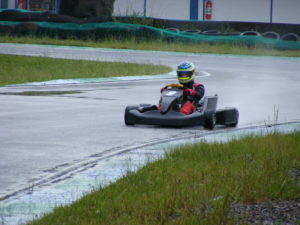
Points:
(180, 86)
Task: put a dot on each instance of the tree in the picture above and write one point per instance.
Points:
(87, 8)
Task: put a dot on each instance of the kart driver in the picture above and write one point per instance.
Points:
(193, 92)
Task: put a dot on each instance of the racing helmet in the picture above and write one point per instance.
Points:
(186, 72)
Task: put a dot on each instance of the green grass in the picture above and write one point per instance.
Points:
(195, 184)
(21, 69)
(159, 45)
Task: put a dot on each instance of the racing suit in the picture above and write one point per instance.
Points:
(192, 94)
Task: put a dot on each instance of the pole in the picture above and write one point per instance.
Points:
(4, 4)
(57, 6)
(194, 9)
(203, 11)
(145, 8)
(271, 12)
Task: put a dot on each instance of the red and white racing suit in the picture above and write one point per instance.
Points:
(193, 92)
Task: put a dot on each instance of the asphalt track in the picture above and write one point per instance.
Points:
(46, 136)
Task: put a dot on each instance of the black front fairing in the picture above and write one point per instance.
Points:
(169, 98)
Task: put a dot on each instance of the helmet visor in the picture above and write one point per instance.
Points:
(184, 75)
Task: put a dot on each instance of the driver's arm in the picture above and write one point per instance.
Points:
(199, 88)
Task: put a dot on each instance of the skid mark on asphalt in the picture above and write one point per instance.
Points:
(67, 170)
(97, 173)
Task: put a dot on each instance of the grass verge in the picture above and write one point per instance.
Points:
(21, 69)
(158, 45)
(195, 184)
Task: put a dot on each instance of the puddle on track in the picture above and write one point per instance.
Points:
(39, 200)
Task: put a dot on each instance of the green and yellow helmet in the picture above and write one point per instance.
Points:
(186, 72)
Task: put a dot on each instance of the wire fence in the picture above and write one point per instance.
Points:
(124, 30)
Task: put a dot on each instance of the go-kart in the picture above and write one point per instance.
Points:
(168, 114)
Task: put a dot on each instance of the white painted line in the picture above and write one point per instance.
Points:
(115, 80)
(205, 74)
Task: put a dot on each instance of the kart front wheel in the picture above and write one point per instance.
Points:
(210, 119)
(128, 120)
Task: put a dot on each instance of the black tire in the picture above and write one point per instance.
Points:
(129, 121)
(250, 33)
(290, 37)
(228, 117)
(210, 119)
(235, 114)
(271, 34)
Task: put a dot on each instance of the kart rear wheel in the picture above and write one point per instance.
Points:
(129, 121)
(210, 119)
(228, 117)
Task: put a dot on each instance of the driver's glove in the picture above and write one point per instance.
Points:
(189, 92)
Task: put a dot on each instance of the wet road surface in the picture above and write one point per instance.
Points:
(44, 136)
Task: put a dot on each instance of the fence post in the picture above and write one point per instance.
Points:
(271, 12)
(203, 10)
(194, 9)
(4, 4)
(145, 8)
(57, 6)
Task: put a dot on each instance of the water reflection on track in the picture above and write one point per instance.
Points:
(37, 200)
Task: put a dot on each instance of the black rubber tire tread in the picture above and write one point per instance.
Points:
(271, 34)
(290, 37)
(250, 33)
(210, 119)
(228, 117)
(127, 119)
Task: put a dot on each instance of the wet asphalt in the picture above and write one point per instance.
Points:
(44, 136)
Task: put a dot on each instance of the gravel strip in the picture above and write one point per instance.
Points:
(268, 213)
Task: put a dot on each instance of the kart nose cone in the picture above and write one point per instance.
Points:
(166, 104)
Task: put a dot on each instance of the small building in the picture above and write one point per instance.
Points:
(36, 5)
(265, 11)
